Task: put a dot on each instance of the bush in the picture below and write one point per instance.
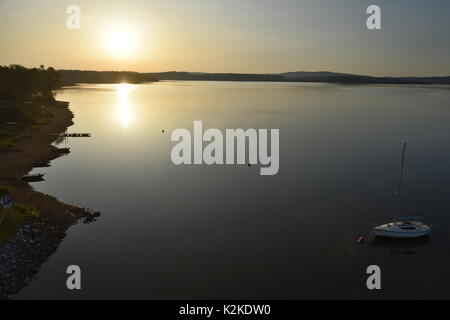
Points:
(5, 145)
(27, 211)
(5, 190)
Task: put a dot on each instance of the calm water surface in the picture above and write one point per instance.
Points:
(226, 231)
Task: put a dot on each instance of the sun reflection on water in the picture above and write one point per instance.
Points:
(124, 108)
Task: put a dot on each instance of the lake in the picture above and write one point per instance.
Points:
(225, 231)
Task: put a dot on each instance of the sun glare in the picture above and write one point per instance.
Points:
(124, 108)
(121, 41)
(123, 89)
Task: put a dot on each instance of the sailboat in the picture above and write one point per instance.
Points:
(402, 227)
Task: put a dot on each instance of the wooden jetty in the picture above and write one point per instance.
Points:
(73, 135)
(77, 135)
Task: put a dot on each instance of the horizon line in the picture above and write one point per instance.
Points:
(255, 73)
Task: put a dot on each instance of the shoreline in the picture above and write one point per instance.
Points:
(35, 241)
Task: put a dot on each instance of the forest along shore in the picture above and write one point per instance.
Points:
(33, 228)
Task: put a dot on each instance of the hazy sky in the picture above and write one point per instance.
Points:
(257, 36)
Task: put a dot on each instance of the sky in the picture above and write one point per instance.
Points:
(251, 36)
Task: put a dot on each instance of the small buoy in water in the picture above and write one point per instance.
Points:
(360, 240)
(162, 130)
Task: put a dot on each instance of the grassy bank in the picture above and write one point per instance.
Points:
(27, 138)
(18, 119)
(11, 219)
(30, 119)
(33, 228)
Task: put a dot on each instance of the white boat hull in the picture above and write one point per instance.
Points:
(402, 230)
(390, 234)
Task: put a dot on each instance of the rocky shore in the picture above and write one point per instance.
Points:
(22, 256)
(37, 239)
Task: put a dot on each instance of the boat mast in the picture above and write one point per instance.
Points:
(397, 191)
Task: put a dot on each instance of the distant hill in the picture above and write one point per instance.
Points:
(77, 76)
(299, 76)
(70, 77)
(174, 75)
(303, 74)
(432, 80)
(327, 76)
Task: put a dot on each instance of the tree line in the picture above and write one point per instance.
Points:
(71, 77)
(20, 83)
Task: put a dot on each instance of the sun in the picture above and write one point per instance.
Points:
(121, 41)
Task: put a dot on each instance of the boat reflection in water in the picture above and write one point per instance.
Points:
(400, 245)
